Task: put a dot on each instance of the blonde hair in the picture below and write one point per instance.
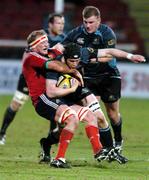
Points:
(34, 35)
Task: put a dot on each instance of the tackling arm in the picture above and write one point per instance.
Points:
(63, 68)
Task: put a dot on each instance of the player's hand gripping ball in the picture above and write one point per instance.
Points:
(65, 81)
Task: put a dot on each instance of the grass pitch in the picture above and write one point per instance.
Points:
(19, 157)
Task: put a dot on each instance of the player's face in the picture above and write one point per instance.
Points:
(57, 27)
(73, 63)
(42, 48)
(91, 24)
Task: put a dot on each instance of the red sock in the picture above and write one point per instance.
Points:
(93, 135)
(65, 139)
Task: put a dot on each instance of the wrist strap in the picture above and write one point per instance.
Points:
(129, 56)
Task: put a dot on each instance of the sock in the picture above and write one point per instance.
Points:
(53, 138)
(8, 118)
(64, 141)
(93, 135)
(106, 137)
(117, 129)
(46, 146)
(53, 125)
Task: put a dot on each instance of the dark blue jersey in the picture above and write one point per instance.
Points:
(72, 98)
(104, 37)
(54, 39)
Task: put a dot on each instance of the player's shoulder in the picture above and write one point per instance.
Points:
(36, 55)
(62, 35)
(76, 30)
(105, 28)
(106, 31)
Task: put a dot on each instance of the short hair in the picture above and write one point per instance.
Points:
(53, 15)
(72, 51)
(89, 11)
(34, 34)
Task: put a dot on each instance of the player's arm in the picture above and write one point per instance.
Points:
(54, 92)
(63, 68)
(41, 62)
(105, 55)
(112, 52)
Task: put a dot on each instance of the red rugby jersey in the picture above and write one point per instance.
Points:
(34, 73)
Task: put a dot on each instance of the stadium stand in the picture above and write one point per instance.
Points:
(140, 12)
(19, 17)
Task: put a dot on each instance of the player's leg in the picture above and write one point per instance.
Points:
(9, 115)
(112, 89)
(91, 128)
(92, 132)
(47, 109)
(52, 109)
(67, 116)
(107, 143)
(102, 87)
(110, 96)
(19, 98)
(104, 129)
(47, 142)
(116, 123)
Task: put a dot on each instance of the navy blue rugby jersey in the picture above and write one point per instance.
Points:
(55, 39)
(104, 37)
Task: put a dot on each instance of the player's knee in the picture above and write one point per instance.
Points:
(113, 115)
(82, 112)
(102, 122)
(85, 115)
(68, 115)
(18, 100)
(15, 106)
(73, 120)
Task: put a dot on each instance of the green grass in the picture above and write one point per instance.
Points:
(19, 157)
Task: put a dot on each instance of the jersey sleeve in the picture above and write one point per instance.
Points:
(109, 38)
(88, 53)
(70, 36)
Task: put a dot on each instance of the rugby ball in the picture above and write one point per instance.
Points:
(64, 81)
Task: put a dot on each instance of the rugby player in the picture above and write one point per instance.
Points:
(103, 79)
(55, 34)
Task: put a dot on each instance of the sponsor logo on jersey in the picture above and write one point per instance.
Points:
(90, 49)
(80, 40)
(111, 42)
(58, 101)
(111, 98)
(96, 41)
